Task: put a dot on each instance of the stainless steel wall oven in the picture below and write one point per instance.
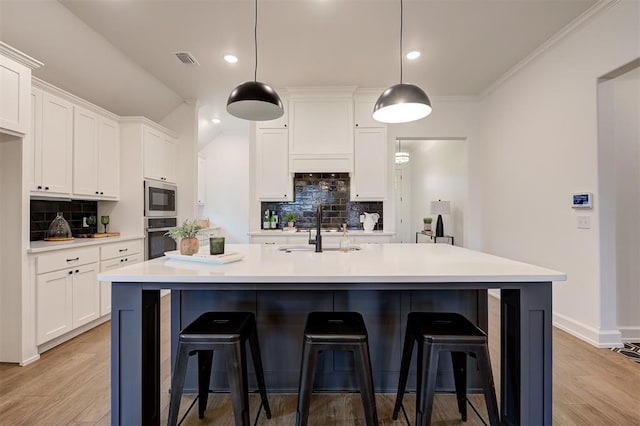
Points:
(155, 242)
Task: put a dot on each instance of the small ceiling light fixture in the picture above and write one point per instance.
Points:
(401, 156)
(402, 102)
(215, 120)
(232, 59)
(253, 100)
(414, 54)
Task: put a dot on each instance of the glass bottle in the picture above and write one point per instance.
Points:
(59, 229)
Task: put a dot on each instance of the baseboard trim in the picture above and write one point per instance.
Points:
(630, 334)
(597, 338)
(28, 361)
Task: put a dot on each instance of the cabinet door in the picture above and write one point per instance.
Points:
(321, 126)
(108, 158)
(57, 138)
(370, 165)
(362, 113)
(273, 180)
(53, 304)
(15, 80)
(85, 155)
(86, 294)
(33, 139)
(169, 159)
(153, 154)
(105, 286)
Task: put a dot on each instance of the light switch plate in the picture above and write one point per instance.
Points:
(584, 222)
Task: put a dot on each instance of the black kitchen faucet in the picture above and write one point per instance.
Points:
(318, 240)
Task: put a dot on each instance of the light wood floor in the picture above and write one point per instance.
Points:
(70, 385)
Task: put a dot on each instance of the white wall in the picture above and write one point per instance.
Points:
(452, 118)
(227, 188)
(539, 143)
(439, 171)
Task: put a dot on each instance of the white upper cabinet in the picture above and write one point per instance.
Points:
(362, 112)
(273, 181)
(321, 138)
(369, 179)
(85, 152)
(50, 141)
(159, 155)
(108, 158)
(15, 85)
(96, 155)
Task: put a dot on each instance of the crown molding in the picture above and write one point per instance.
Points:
(19, 57)
(41, 84)
(148, 122)
(600, 7)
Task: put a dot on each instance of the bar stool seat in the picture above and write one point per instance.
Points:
(336, 331)
(438, 332)
(229, 332)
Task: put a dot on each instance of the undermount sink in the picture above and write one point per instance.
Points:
(312, 248)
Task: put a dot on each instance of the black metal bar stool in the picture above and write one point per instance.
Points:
(336, 331)
(438, 332)
(227, 331)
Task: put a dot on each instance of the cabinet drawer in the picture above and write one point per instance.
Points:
(111, 251)
(120, 262)
(65, 259)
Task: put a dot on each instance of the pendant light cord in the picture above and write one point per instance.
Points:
(401, 16)
(255, 43)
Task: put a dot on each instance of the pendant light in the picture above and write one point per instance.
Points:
(253, 100)
(401, 156)
(402, 102)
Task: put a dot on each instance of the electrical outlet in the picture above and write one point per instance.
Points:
(584, 222)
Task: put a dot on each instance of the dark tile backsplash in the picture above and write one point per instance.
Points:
(332, 190)
(44, 211)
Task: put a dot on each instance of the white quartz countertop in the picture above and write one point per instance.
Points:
(284, 233)
(374, 263)
(44, 246)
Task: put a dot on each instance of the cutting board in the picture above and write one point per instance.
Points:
(99, 235)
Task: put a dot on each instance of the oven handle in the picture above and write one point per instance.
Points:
(147, 230)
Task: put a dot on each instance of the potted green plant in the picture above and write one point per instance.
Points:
(290, 218)
(185, 236)
(427, 223)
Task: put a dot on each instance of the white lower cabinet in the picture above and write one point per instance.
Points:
(114, 256)
(67, 292)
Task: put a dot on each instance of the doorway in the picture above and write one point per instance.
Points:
(437, 170)
(619, 204)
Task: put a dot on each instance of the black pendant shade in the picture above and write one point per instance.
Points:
(402, 103)
(255, 101)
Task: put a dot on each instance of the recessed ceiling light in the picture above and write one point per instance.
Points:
(215, 120)
(414, 54)
(231, 59)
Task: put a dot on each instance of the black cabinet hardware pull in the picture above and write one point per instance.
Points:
(77, 270)
(71, 260)
(70, 272)
(121, 250)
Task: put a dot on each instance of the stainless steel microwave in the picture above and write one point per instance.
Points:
(159, 199)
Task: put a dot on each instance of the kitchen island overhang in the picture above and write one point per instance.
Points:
(383, 280)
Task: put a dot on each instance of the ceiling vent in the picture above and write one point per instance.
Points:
(186, 58)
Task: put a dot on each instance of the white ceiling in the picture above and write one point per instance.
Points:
(118, 53)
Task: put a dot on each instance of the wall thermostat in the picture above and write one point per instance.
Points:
(582, 200)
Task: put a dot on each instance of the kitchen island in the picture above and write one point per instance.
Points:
(384, 282)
